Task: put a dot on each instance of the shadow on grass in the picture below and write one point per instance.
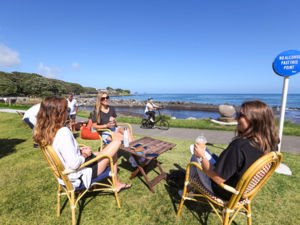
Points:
(147, 168)
(83, 202)
(199, 211)
(8, 146)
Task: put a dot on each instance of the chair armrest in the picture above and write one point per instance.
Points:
(222, 185)
(68, 171)
(105, 129)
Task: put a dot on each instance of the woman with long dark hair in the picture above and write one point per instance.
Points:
(256, 135)
(50, 130)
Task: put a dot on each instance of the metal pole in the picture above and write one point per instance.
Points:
(282, 111)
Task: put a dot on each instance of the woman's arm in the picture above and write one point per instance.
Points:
(207, 167)
(67, 146)
(103, 126)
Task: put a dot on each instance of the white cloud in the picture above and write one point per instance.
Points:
(75, 66)
(50, 72)
(8, 57)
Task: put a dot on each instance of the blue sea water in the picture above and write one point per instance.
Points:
(293, 100)
(274, 100)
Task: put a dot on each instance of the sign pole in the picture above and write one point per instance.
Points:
(283, 106)
(286, 64)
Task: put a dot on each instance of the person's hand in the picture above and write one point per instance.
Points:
(110, 124)
(86, 151)
(199, 151)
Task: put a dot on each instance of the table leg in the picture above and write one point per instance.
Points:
(141, 167)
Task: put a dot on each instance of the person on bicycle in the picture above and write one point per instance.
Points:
(149, 110)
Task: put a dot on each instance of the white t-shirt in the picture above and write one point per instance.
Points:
(67, 149)
(31, 113)
(72, 105)
(149, 107)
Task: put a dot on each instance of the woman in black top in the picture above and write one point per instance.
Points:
(104, 117)
(256, 135)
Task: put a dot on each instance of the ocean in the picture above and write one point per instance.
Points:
(274, 100)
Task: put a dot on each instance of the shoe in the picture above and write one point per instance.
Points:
(180, 192)
(35, 146)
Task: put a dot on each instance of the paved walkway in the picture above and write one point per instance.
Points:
(289, 143)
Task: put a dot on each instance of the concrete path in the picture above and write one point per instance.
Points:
(289, 143)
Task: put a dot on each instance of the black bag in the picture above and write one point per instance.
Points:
(176, 178)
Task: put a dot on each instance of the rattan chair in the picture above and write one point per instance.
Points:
(74, 195)
(244, 192)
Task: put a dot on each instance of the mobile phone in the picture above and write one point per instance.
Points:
(151, 155)
(135, 146)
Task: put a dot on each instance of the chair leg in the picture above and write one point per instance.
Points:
(73, 207)
(182, 197)
(59, 190)
(117, 199)
(249, 219)
(225, 218)
(180, 206)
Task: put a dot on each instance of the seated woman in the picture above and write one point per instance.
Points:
(50, 130)
(104, 117)
(256, 135)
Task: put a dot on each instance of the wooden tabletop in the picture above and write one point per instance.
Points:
(152, 145)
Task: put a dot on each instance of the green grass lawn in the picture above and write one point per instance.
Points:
(28, 189)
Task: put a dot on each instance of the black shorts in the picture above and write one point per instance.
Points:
(94, 166)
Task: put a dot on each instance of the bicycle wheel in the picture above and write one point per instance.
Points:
(164, 125)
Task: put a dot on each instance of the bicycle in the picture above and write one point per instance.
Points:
(163, 124)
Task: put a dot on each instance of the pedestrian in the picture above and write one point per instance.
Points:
(30, 117)
(73, 106)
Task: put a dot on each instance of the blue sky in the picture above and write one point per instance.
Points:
(152, 46)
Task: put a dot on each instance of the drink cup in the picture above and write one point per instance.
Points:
(200, 141)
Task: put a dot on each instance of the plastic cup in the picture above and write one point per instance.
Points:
(200, 141)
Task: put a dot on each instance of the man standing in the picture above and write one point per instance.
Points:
(73, 105)
(30, 117)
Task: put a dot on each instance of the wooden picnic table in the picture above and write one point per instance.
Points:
(148, 145)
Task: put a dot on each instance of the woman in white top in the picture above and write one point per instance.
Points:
(50, 130)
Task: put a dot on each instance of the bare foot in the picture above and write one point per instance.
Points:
(122, 187)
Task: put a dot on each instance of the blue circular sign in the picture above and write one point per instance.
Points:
(287, 63)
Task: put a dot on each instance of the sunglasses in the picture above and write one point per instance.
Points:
(103, 98)
(240, 115)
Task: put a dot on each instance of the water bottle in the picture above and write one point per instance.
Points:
(125, 138)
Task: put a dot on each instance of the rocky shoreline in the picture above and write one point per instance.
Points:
(132, 103)
(89, 101)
